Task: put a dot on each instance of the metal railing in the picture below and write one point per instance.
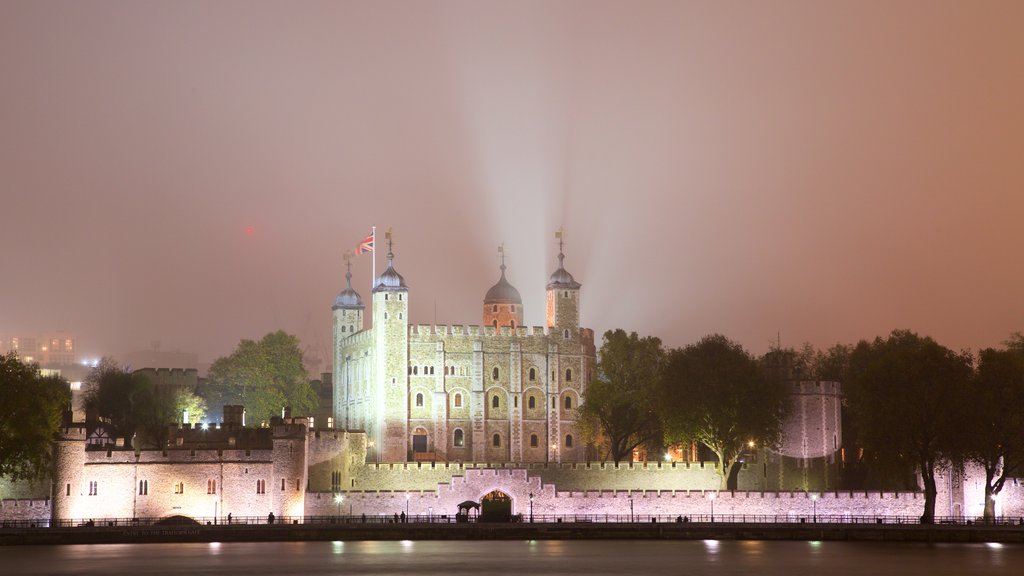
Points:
(378, 519)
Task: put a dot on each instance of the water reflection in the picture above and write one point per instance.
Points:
(589, 558)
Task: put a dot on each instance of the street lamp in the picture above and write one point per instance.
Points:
(630, 507)
(814, 508)
(338, 498)
(531, 507)
(711, 496)
(406, 506)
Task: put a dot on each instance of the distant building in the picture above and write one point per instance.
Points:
(156, 357)
(49, 350)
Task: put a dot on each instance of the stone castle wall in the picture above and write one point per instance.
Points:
(548, 500)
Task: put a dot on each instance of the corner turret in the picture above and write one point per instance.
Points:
(563, 311)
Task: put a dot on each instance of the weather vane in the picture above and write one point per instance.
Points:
(560, 235)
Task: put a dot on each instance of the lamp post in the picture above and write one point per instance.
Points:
(814, 508)
(338, 499)
(711, 497)
(631, 507)
(406, 506)
(531, 507)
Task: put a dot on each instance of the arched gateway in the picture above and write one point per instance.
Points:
(496, 506)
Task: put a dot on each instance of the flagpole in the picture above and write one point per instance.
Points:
(373, 278)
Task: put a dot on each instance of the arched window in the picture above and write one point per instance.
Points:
(445, 370)
(495, 308)
(496, 440)
(460, 437)
(531, 403)
(495, 323)
(568, 402)
(458, 400)
(533, 440)
(568, 441)
(385, 296)
(343, 329)
(495, 403)
(494, 373)
(568, 374)
(513, 307)
(513, 324)
(419, 399)
(533, 374)
(565, 334)
(415, 370)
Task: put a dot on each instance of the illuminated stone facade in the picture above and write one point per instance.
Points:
(501, 392)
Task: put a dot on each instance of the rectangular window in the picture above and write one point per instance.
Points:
(282, 484)
(93, 488)
(179, 487)
(211, 486)
(143, 487)
(261, 487)
(68, 492)
(298, 484)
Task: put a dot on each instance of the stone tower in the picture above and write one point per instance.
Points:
(503, 306)
(348, 319)
(563, 300)
(390, 431)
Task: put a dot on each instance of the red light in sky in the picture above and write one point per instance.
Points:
(250, 230)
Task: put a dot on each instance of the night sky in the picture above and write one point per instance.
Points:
(192, 172)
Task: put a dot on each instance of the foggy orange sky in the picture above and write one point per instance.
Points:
(192, 172)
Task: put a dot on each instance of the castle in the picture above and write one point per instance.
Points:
(501, 392)
(428, 417)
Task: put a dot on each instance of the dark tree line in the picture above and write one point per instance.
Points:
(912, 407)
(712, 391)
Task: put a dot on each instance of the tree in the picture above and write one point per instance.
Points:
(31, 408)
(905, 393)
(139, 410)
(715, 392)
(263, 376)
(995, 437)
(621, 401)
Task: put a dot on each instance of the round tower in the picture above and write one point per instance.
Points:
(348, 319)
(68, 468)
(391, 375)
(503, 306)
(563, 298)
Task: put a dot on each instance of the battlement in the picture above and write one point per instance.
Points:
(477, 331)
(817, 388)
(73, 433)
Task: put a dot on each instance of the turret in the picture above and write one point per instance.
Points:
(503, 306)
(563, 313)
(348, 319)
(391, 379)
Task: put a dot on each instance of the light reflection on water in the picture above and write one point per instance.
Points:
(420, 558)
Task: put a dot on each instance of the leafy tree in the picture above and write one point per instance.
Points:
(995, 437)
(139, 410)
(31, 408)
(263, 376)
(127, 401)
(715, 392)
(621, 401)
(905, 393)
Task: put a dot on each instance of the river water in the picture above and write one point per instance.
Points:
(712, 557)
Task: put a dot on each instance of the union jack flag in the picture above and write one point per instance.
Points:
(366, 246)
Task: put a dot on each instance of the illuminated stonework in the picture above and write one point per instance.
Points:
(497, 393)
